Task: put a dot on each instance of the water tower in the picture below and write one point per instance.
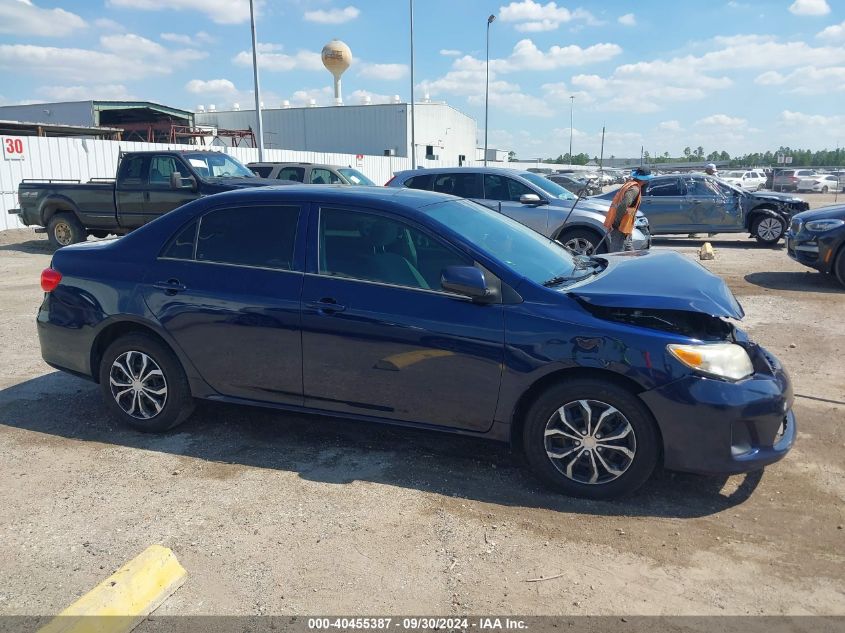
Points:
(336, 58)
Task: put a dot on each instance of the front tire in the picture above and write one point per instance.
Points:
(64, 229)
(144, 384)
(825, 189)
(839, 266)
(590, 438)
(768, 230)
(581, 241)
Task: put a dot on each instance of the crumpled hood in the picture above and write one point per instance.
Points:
(776, 195)
(663, 280)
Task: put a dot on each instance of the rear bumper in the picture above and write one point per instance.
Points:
(712, 426)
(64, 346)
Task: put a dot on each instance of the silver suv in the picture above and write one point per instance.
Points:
(528, 198)
(311, 173)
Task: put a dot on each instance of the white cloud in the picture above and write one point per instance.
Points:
(198, 39)
(721, 121)
(271, 58)
(627, 20)
(450, 52)
(357, 97)
(809, 7)
(109, 25)
(22, 17)
(221, 87)
(321, 96)
(526, 56)
(836, 122)
(384, 72)
(670, 126)
(220, 11)
(515, 102)
(117, 92)
(121, 52)
(332, 16)
(530, 16)
(834, 32)
(807, 80)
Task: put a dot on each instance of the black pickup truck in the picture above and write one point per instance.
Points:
(148, 184)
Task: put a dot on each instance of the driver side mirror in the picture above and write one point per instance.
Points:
(530, 198)
(178, 182)
(467, 281)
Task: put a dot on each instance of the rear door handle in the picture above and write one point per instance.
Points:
(170, 287)
(326, 305)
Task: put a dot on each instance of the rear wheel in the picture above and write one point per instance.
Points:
(590, 438)
(824, 189)
(64, 229)
(767, 229)
(581, 241)
(839, 266)
(144, 384)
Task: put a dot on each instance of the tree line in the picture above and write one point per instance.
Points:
(800, 158)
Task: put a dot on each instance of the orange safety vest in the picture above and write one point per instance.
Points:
(626, 224)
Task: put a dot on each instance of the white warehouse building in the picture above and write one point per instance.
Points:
(441, 132)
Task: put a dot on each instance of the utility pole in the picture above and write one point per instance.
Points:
(601, 156)
(487, 86)
(257, 87)
(571, 108)
(413, 130)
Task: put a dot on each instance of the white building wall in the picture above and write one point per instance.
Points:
(83, 159)
(451, 133)
(65, 113)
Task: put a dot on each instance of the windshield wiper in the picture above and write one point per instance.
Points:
(595, 269)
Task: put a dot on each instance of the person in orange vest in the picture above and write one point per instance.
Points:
(623, 211)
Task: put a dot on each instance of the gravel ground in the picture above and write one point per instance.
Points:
(288, 514)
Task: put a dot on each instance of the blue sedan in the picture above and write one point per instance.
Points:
(425, 310)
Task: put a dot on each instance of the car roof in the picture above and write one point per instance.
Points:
(339, 194)
(461, 170)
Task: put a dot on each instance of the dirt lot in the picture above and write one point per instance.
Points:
(286, 514)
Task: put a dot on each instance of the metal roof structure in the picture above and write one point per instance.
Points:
(29, 128)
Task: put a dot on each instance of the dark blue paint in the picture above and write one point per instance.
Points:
(302, 341)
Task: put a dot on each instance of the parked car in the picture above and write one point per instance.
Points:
(311, 173)
(529, 198)
(820, 183)
(750, 180)
(148, 184)
(817, 239)
(424, 310)
(697, 203)
(787, 179)
(576, 185)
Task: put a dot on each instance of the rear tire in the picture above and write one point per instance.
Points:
(768, 230)
(64, 229)
(618, 462)
(825, 189)
(144, 384)
(581, 241)
(839, 266)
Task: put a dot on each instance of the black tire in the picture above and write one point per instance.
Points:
(762, 224)
(761, 187)
(177, 403)
(838, 268)
(573, 237)
(825, 189)
(64, 229)
(645, 452)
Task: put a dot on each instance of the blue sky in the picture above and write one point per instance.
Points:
(738, 75)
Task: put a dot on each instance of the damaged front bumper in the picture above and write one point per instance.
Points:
(713, 426)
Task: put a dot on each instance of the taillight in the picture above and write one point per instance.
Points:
(387, 184)
(50, 279)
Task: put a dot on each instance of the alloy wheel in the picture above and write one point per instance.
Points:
(579, 246)
(138, 385)
(590, 442)
(770, 229)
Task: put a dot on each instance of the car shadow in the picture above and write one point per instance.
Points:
(696, 242)
(340, 451)
(36, 247)
(799, 281)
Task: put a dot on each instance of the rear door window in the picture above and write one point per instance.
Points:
(132, 171)
(461, 184)
(296, 174)
(420, 182)
(670, 187)
(262, 237)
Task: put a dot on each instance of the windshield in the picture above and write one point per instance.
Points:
(551, 188)
(526, 252)
(355, 177)
(218, 165)
(733, 174)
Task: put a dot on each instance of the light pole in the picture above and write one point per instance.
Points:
(571, 107)
(487, 87)
(413, 131)
(257, 88)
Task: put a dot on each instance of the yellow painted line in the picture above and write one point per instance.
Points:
(125, 598)
(406, 359)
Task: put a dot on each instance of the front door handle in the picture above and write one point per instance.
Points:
(326, 305)
(170, 287)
